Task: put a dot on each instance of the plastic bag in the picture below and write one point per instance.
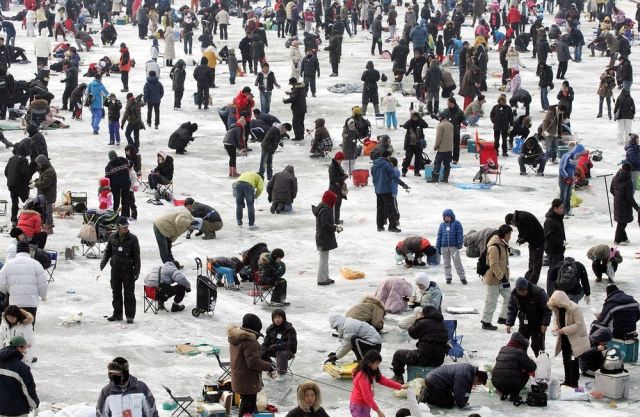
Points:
(351, 274)
(543, 367)
(573, 394)
(575, 200)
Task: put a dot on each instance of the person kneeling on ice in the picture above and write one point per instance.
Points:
(182, 136)
(309, 402)
(416, 246)
(125, 394)
(370, 310)
(170, 282)
(246, 365)
(620, 312)
(362, 399)
(593, 359)
(280, 341)
(354, 335)
(211, 220)
(282, 189)
(604, 260)
(432, 336)
(272, 269)
(451, 385)
(512, 368)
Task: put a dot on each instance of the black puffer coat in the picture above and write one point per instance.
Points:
(513, 365)
(625, 106)
(399, 57)
(16, 384)
(182, 136)
(123, 254)
(117, 171)
(17, 172)
(279, 338)
(433, 77)
(325, 227)
(531, 308)
(370, 87)
(621, 312)
(529, 228)
(623, 201)
(337, 177)
(432, 336)
(283, 187)
(554, 236)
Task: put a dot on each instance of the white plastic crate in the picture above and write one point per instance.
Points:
(615, 386)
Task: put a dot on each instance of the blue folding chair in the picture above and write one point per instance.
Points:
(455, 342)
(53, 255)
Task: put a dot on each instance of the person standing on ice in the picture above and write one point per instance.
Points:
(366, 373)
(97, 92)
(153, 93)
(449, 243)
(298, 100)
(125, 395)
(383, 176)
(496, 279)
(623, 203)
(123, 254)
(246, 189)
(624, 111)
(529, 231)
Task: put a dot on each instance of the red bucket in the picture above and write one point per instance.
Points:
(360, 177)
(177, 202)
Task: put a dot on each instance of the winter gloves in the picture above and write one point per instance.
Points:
(331, 358)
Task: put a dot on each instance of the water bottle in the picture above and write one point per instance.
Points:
(554, 386)
(492, 389)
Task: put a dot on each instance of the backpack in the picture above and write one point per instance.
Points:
(482, 266)
(567, 279)
(536, 399)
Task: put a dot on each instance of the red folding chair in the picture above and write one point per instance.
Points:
(489, 164)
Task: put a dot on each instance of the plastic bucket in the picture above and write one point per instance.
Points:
(360, 177)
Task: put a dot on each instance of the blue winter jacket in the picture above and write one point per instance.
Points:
(449, 234)
(633, 156)
(418, 36)
(394, 185)
(569, 161)
(98, 92)
(384, 175)
(153, 90)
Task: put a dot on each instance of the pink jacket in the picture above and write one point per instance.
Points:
(391, 292)
(362, 393)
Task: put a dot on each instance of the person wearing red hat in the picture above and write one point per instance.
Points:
(326, 229)
(337, 178)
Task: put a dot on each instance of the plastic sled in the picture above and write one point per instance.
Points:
(340, 371)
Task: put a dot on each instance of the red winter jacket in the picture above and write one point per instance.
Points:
(244, 105)
(30, 222)
(30, 4)
(362, 393)
(513, 16)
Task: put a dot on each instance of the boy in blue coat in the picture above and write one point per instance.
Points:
(449, 243)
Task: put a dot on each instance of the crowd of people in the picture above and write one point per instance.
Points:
(432, 33)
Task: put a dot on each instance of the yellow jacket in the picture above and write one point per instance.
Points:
(254, 179)
(212, 57)
(172, 225)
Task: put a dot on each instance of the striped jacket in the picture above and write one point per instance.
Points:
(134, 400)
(17, 389)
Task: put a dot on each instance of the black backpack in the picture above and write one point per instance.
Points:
(536, 399)
(482, 266)
(567, 279)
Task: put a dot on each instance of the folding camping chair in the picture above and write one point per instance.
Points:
(224, 366)
(455, 342)
(489, 165)
(261, 292)
(53, 255)
(183, 403)
(151, 301)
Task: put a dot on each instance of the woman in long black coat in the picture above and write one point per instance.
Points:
(512, 368)
(623, 203)
(326, 229)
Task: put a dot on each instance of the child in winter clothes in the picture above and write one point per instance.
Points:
(389, 106)
(362, 401)
(17, 322)
(232, 62)
(449, 243)
(280, 341)
(75, 104)
(394, 185)
(114, 106)
(440, 49)
(309, 402)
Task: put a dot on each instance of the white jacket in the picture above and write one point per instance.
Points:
(24, 329)
(152, 65)
(389, 104)
(23, 278)
(42, 47)
(223, 17)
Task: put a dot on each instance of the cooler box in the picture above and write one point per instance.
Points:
(614, 386)
(562, 149)
(360, 177)
(433, 260)
(628, 349)
(211, 410)
(121, 21)
(414, 372)
(428, 172)
(471, 146)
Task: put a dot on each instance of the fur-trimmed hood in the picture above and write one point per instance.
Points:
(304, 387)
(559, 299)
(28, 318)
(372, 300)
(237, 335)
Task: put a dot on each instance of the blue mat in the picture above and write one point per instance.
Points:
(474, 186)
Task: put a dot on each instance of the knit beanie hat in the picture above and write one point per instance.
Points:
(611, 288)
(252, 322)
(112, 155)
(339, 156)
(23, 246)
(15, 232)
(522, 283)
(329, 198)
(41, 160)
(17, 341)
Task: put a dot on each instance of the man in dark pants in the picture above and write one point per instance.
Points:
(450, 385)
(153, 92)
(123, 252)
(528, 303)
(309, 68)
(376, 33)
(554, 237)
(456, 117)
(383, 176)
(529, 231)
(298, 100)
(70, 83)
(18, 177)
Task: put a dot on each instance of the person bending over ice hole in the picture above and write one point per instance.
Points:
(125, 394)
(511, 371)
(620, 312)
(246, 365)
(170, 282)
(365, 374)
(272, 269)
(604, 260)
(354, 335)
(593, 359)
(280, 341)
(370, 310)
(431, 334)
(211, 220)
(451, 385)
(308, 402)
(182, 136)
(282, 190)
